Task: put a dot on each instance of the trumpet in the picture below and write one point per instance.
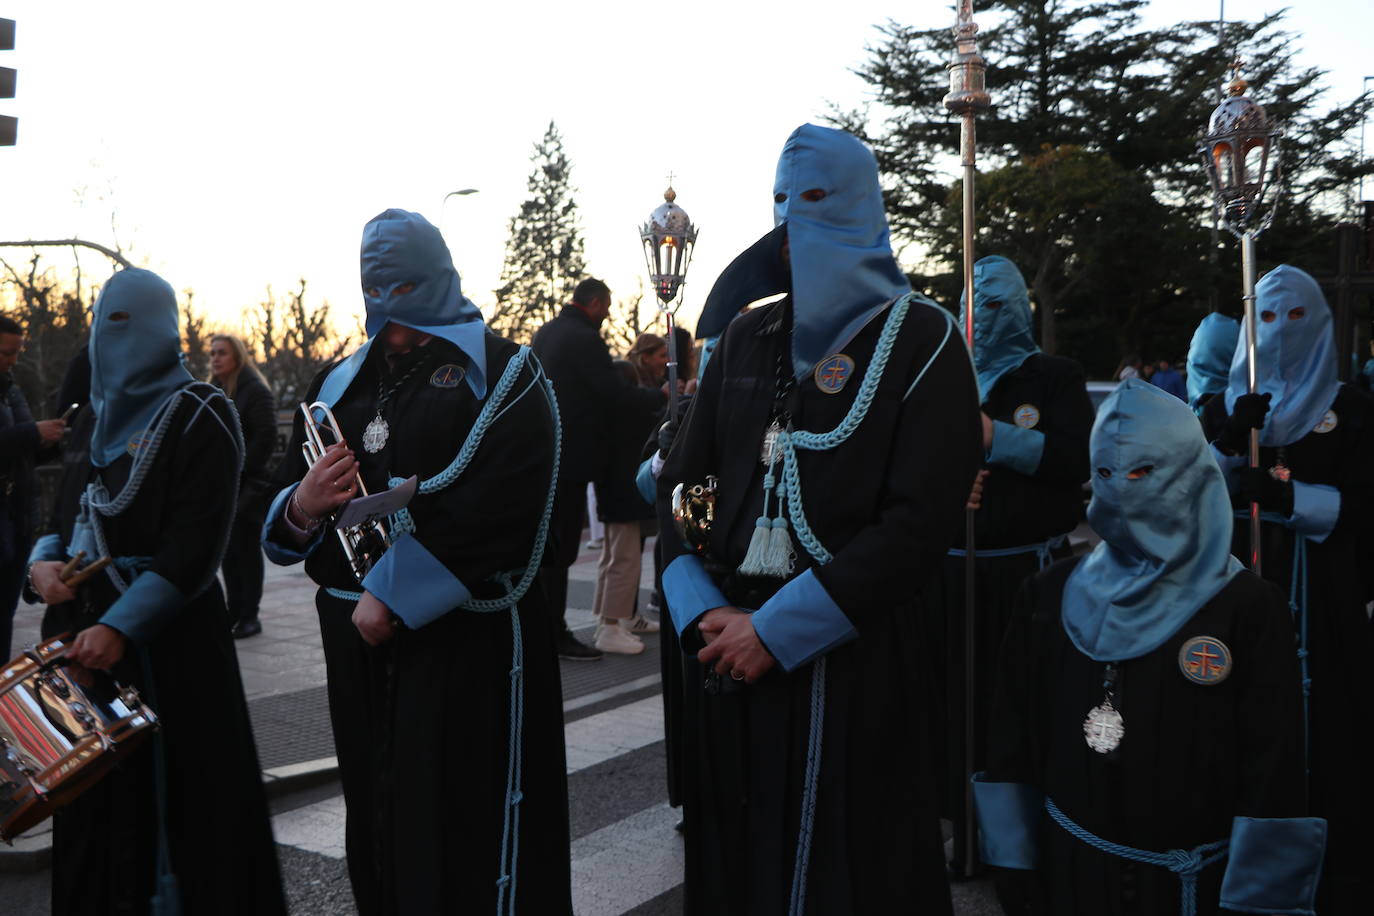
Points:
(694, 509)
(363, 544)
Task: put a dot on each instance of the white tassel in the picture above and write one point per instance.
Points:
(755, 558)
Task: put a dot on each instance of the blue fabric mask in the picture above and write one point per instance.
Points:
(843, 271)
(1209, 356)
(1295, 357)
(1002, 336)
(1166, 537)
(401, 247)
(135, 352)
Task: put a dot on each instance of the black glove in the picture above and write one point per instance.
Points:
(667, 433)
(1257, 485)
(1249, 413)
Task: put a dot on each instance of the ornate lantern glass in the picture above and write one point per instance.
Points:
(668, 238)
(1237, 151)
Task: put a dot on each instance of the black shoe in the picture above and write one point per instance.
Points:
(574, 651)
(246, 628)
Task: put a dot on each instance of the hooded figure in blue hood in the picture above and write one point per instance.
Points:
(1150, 702)
(157, 495)
(835, 503)
(441, 638)
(1315, 493)
(1036, 419)
(1209, 358)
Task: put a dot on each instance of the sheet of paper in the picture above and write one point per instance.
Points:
(365, 508)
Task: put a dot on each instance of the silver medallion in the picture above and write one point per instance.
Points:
(768, 451)
(374, 436)
(1104, 728)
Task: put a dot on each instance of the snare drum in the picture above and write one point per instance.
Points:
(61, 728)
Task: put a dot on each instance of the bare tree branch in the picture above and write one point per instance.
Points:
(64, 243)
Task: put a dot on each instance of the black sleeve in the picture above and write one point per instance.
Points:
(18, 441)
(935, 455)
(259, 419)
(1068, 425)
(597, 374)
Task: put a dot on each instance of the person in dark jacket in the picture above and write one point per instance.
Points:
(232, 370)
(21, 439)
(590, 391)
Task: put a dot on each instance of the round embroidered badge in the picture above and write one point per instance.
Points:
(1328, 423)
(137, 442)
(833, 372)
(1026, 416)
(447, 376)
(1205, 660)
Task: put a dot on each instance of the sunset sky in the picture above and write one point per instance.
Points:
(236, 146)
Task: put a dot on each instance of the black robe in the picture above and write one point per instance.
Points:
(887, 504)
(1339, 636)
(422, 723)
(1191, 759)
(219, 835)
(1018, 510)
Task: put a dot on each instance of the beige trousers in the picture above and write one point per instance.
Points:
(617, 572)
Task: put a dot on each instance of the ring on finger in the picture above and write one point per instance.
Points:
(737, 675)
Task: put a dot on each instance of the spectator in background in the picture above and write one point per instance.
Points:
(232, 370)
(649, 357)
(589, 391)
(21, 440)
(1169, 379)
(1130, 367)
(628, 520)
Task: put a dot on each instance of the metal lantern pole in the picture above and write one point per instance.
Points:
(1240, 155)
(967, 96)
(669, 239)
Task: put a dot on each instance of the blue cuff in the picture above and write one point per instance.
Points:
(1316, 507)
(689, 591)
(1009, 817)
(285, 553)
(48, 547)
(414, 585)
(1275, 864)
(1016, 448)
(801, 622)
(142, 611)
(645, 481)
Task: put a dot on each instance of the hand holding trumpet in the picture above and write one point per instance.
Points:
(330, 482)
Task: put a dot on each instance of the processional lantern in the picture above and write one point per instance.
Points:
(1240, 153)
(669, 239)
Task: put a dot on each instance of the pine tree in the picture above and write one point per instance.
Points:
(1089, 177)
(544, 254)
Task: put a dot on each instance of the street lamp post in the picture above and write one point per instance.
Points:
(1240, 155)
(669, 239)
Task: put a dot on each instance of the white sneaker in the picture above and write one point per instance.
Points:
(614, 638)
(593, 544)
(641, 624)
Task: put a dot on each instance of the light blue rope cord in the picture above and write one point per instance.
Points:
(510, 829)
(1044, 550)
(1185, 863)
(790, 441)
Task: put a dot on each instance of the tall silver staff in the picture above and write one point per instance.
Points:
(967, 96)
(668, 239)
(1236, 153)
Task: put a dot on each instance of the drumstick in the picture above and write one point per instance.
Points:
(86, 573)
(71, 565)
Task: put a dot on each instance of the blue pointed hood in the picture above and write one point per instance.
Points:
(401, 247)
(1166, 537)
(1296, 357)
(756, 273)
(843, 271)
(135, 351)
(1002, 337)
(1209, 357)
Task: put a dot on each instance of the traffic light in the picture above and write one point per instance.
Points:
(9, 126)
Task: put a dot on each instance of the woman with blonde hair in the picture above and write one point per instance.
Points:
(649, 356)
(232, 369)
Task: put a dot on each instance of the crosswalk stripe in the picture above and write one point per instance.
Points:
(622, 865)
(614, 732)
